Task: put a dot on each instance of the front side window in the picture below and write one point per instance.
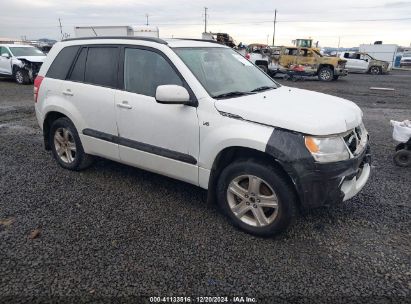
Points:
(102, 66)
(224, 71)
(26, 51)
(4, 50)
(145, 70)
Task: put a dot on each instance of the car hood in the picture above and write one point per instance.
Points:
(298, 110)
(32, 58)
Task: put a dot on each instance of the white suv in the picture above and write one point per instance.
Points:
(22, 62)
(201, 113)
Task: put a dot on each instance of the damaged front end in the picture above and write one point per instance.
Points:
(32, 68)
(326, 182)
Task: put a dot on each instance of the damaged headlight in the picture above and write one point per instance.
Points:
(327, 149)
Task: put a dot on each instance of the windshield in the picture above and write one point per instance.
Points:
(370, 57)
(225, 73)
(318, 53)
(26, 51)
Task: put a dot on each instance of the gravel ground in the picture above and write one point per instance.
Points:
(116, 233)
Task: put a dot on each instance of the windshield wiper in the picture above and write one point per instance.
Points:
(263, 88)
(231, 94)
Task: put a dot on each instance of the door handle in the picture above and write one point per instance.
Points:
(67, 92)
(124, 105)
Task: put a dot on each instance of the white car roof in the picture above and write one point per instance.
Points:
(16, 45)
(174, 42)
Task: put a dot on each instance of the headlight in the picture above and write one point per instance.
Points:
(327, 149)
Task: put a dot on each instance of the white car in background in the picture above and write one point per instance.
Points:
(358, 62)
(200, 112)
(22, 62)
(406, 60)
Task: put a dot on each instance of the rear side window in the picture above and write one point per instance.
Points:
(102, 66)
(62, 63)
(77, 74)
(145, 70)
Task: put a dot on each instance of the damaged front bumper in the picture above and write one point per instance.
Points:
(320, 184)
(339, 71)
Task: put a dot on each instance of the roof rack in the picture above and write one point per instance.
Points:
(201, 40)
(151, 39)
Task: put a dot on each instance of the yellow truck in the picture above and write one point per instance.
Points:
(307, 61)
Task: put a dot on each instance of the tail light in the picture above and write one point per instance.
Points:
(37, 83)
(247, 56)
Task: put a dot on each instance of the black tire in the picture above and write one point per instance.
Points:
(402, 158)
(264, 68)
(335, 77)
(400, 146)
(375, 70)
(21, 76)
(286, 197)
(325, 74)
(80, 160)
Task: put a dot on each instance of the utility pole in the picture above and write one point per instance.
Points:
(147, 19)
(61, 29)
(205, 19)
(275, 21)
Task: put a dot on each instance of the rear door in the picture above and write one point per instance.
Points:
(89, 89)
(162, 138)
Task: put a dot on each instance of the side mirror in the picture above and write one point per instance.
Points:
(366, 60)
(172, 94)
(5, 55)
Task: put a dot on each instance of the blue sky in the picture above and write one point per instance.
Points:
(247, 21)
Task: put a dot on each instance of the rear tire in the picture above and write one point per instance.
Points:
(22, 76)
(402, 158)
(66, 146)
(325, 74)
(256, 198)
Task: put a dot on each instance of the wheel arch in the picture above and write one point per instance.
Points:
(230, 154)
(325, 65)
(49, 118)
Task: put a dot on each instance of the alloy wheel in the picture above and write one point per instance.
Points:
(325, 74)
(19, 77)
(65, 145)
(375, 70)
(252, 200)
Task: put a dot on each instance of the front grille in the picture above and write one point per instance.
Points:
(356, 140)
(351, 141)
(36, 67)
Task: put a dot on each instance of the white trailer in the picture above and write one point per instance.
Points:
(116, 30)
(385, 52)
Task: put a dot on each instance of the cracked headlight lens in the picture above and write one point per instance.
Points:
(327, 149)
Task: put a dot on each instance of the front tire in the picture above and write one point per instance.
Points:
(66, 146)
(22, 76)
(375, 70)
(256, 198)
(325, 74)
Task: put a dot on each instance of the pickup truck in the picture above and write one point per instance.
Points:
(309, 62)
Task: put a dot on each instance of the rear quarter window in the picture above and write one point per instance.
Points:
(62, 63)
